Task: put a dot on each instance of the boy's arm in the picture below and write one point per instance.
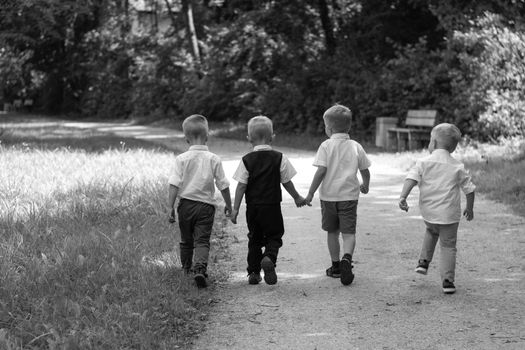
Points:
(239, 193)
(290, 188)
(227, 200)
(407, 187)
(173, 191)
(469, 210)
(316, 182)
(365, 174)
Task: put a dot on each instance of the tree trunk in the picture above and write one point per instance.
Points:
(327, 27)
(190, 28)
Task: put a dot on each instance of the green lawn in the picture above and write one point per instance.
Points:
(87, 257)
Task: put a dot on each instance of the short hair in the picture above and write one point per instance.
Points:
(447, 135)
(260, 128)
(195, 126)
(338, 117)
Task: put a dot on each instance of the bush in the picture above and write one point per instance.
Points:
(489, 77)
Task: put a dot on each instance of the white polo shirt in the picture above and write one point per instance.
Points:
(196, 173)
(342, 158)
(440, 177)
(286, 169)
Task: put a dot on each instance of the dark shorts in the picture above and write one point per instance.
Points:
(339, 216)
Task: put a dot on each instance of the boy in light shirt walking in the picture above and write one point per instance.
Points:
(193, 179)
(440, 178)
(338, 160)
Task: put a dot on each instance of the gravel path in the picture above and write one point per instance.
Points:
(388, 306)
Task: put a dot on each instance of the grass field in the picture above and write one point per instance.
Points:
(87, 257)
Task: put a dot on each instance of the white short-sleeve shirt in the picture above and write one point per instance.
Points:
(342, 158)
(286, 169)
(440, 178)
(196, 173)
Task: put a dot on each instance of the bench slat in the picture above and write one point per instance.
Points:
(424, 118)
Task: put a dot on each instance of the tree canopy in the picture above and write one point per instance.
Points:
(290, 60)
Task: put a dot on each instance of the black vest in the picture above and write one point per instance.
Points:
(264, 181)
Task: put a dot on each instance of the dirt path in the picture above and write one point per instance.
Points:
(388, 306)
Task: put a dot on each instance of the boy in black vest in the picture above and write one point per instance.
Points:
(260, 174)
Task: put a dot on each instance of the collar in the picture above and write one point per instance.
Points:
(262, 148)
(441, 151)
(198, 148)
(340, 136)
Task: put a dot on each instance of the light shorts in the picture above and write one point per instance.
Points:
(339, 216)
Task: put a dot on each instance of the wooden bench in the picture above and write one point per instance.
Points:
(418, 124)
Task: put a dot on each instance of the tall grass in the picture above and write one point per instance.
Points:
(87, 258)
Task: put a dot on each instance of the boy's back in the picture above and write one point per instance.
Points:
(440, 178)
(264, 182)
(195, 172)
(342, 158)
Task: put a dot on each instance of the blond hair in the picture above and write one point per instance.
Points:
(338, 118)
(195, 126)
(260, 128)
(446, 135)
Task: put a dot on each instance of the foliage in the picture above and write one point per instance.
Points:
(289, 60)
(491, 76)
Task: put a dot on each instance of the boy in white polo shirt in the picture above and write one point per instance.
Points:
(338, 160)
(192, 179)
(440, 178)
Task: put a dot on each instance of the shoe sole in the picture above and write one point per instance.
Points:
(449, 290)
(347, 276)
(421, 270)
(270, 277)
(334, 275)
(200, 280)
(254, 281)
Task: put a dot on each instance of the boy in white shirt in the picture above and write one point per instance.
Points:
(338, 160)
(440, 178)
(192, 179)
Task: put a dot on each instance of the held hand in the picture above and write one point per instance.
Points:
(364, 188)
(233, 216)
(308, 199)
(403, 205)
(171, 217)
(469, 214)
(227, 211)
(300, 202)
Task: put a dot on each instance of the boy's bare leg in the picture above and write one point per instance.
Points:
(348, 243)
(333, 245)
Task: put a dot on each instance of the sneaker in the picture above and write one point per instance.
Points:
(254, 278)
(422, 266)
(448, 287)
(270, 277)
(347, 276)
(200, 278)
(333, 272)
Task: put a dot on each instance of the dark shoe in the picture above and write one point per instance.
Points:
(422, 266)
(448, 287)
(270, 277)
(254, 278)
(200, 278)
(347, 276)
(333, 272)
